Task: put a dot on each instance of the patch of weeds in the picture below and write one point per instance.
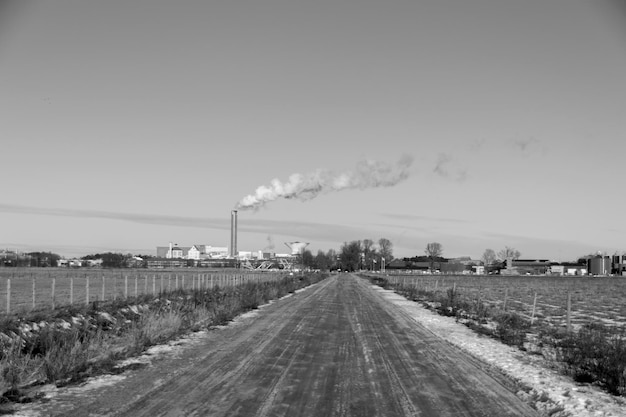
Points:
(17, 369)
(448, 304)
(556, 410)
(251, 296)
(154, 328)
(481, 311)
(66, 354)
(596, 354)
(479, 328)
(380, 281)
(511, 329)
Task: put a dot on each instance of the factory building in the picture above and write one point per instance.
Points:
(619, 265)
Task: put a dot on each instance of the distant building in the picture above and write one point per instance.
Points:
(196, 252)
(526, 267)
(619, 265)
(216, 252)
(478, 269)
(600, 265)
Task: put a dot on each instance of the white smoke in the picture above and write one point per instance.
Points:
(367, 174)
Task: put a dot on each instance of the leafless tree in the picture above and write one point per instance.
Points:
(433, 250)
(369, 252)
(508, 253)
(489, 256)
(385, 249)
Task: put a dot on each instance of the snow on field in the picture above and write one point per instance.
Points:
(578, 400)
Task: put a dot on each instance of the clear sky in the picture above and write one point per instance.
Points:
(126, 125)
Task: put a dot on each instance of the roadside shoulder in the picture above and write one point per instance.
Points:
(549, 392)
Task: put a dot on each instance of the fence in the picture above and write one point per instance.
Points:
(548, 300)
(31, 289)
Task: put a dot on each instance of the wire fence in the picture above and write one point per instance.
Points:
(34, 289)
(544, 300)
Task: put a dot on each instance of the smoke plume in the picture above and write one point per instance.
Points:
(366, 174)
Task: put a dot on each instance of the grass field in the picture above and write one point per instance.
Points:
(60, 286)
(592, 299)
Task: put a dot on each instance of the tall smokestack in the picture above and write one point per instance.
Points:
(233, 233)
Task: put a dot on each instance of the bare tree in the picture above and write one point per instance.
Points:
(489, 256)
(385, 249)
(333, 258)
(367, 245)
(369, 252)
(508, 253)
(433, 250)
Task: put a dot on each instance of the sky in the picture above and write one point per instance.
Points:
(126, 125)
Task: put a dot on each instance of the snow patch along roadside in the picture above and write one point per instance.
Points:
(576, 400)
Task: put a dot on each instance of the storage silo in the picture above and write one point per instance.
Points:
(600, 265)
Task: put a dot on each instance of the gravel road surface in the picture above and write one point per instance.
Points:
(335, 349)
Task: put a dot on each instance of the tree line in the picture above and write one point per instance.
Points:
(50, 259)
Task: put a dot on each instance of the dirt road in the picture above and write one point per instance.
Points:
(336, 349)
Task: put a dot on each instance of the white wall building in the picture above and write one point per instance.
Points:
(196, 252)
(216, 252)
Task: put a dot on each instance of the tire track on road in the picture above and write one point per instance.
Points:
(439, 379)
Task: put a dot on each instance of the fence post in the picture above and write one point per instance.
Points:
(102, 287)
(569, 312)
(154, 284)
(54, 284)
(532, 316)
(71, 290)
(33, 293)
(506, 295)
(145, 285)
(87, 289)
(125, 287)
(135, 286)
(8, 295)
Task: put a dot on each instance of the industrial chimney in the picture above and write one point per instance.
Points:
(233, 234)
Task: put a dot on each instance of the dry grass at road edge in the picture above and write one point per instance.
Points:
(64, 347)
(594, 354)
